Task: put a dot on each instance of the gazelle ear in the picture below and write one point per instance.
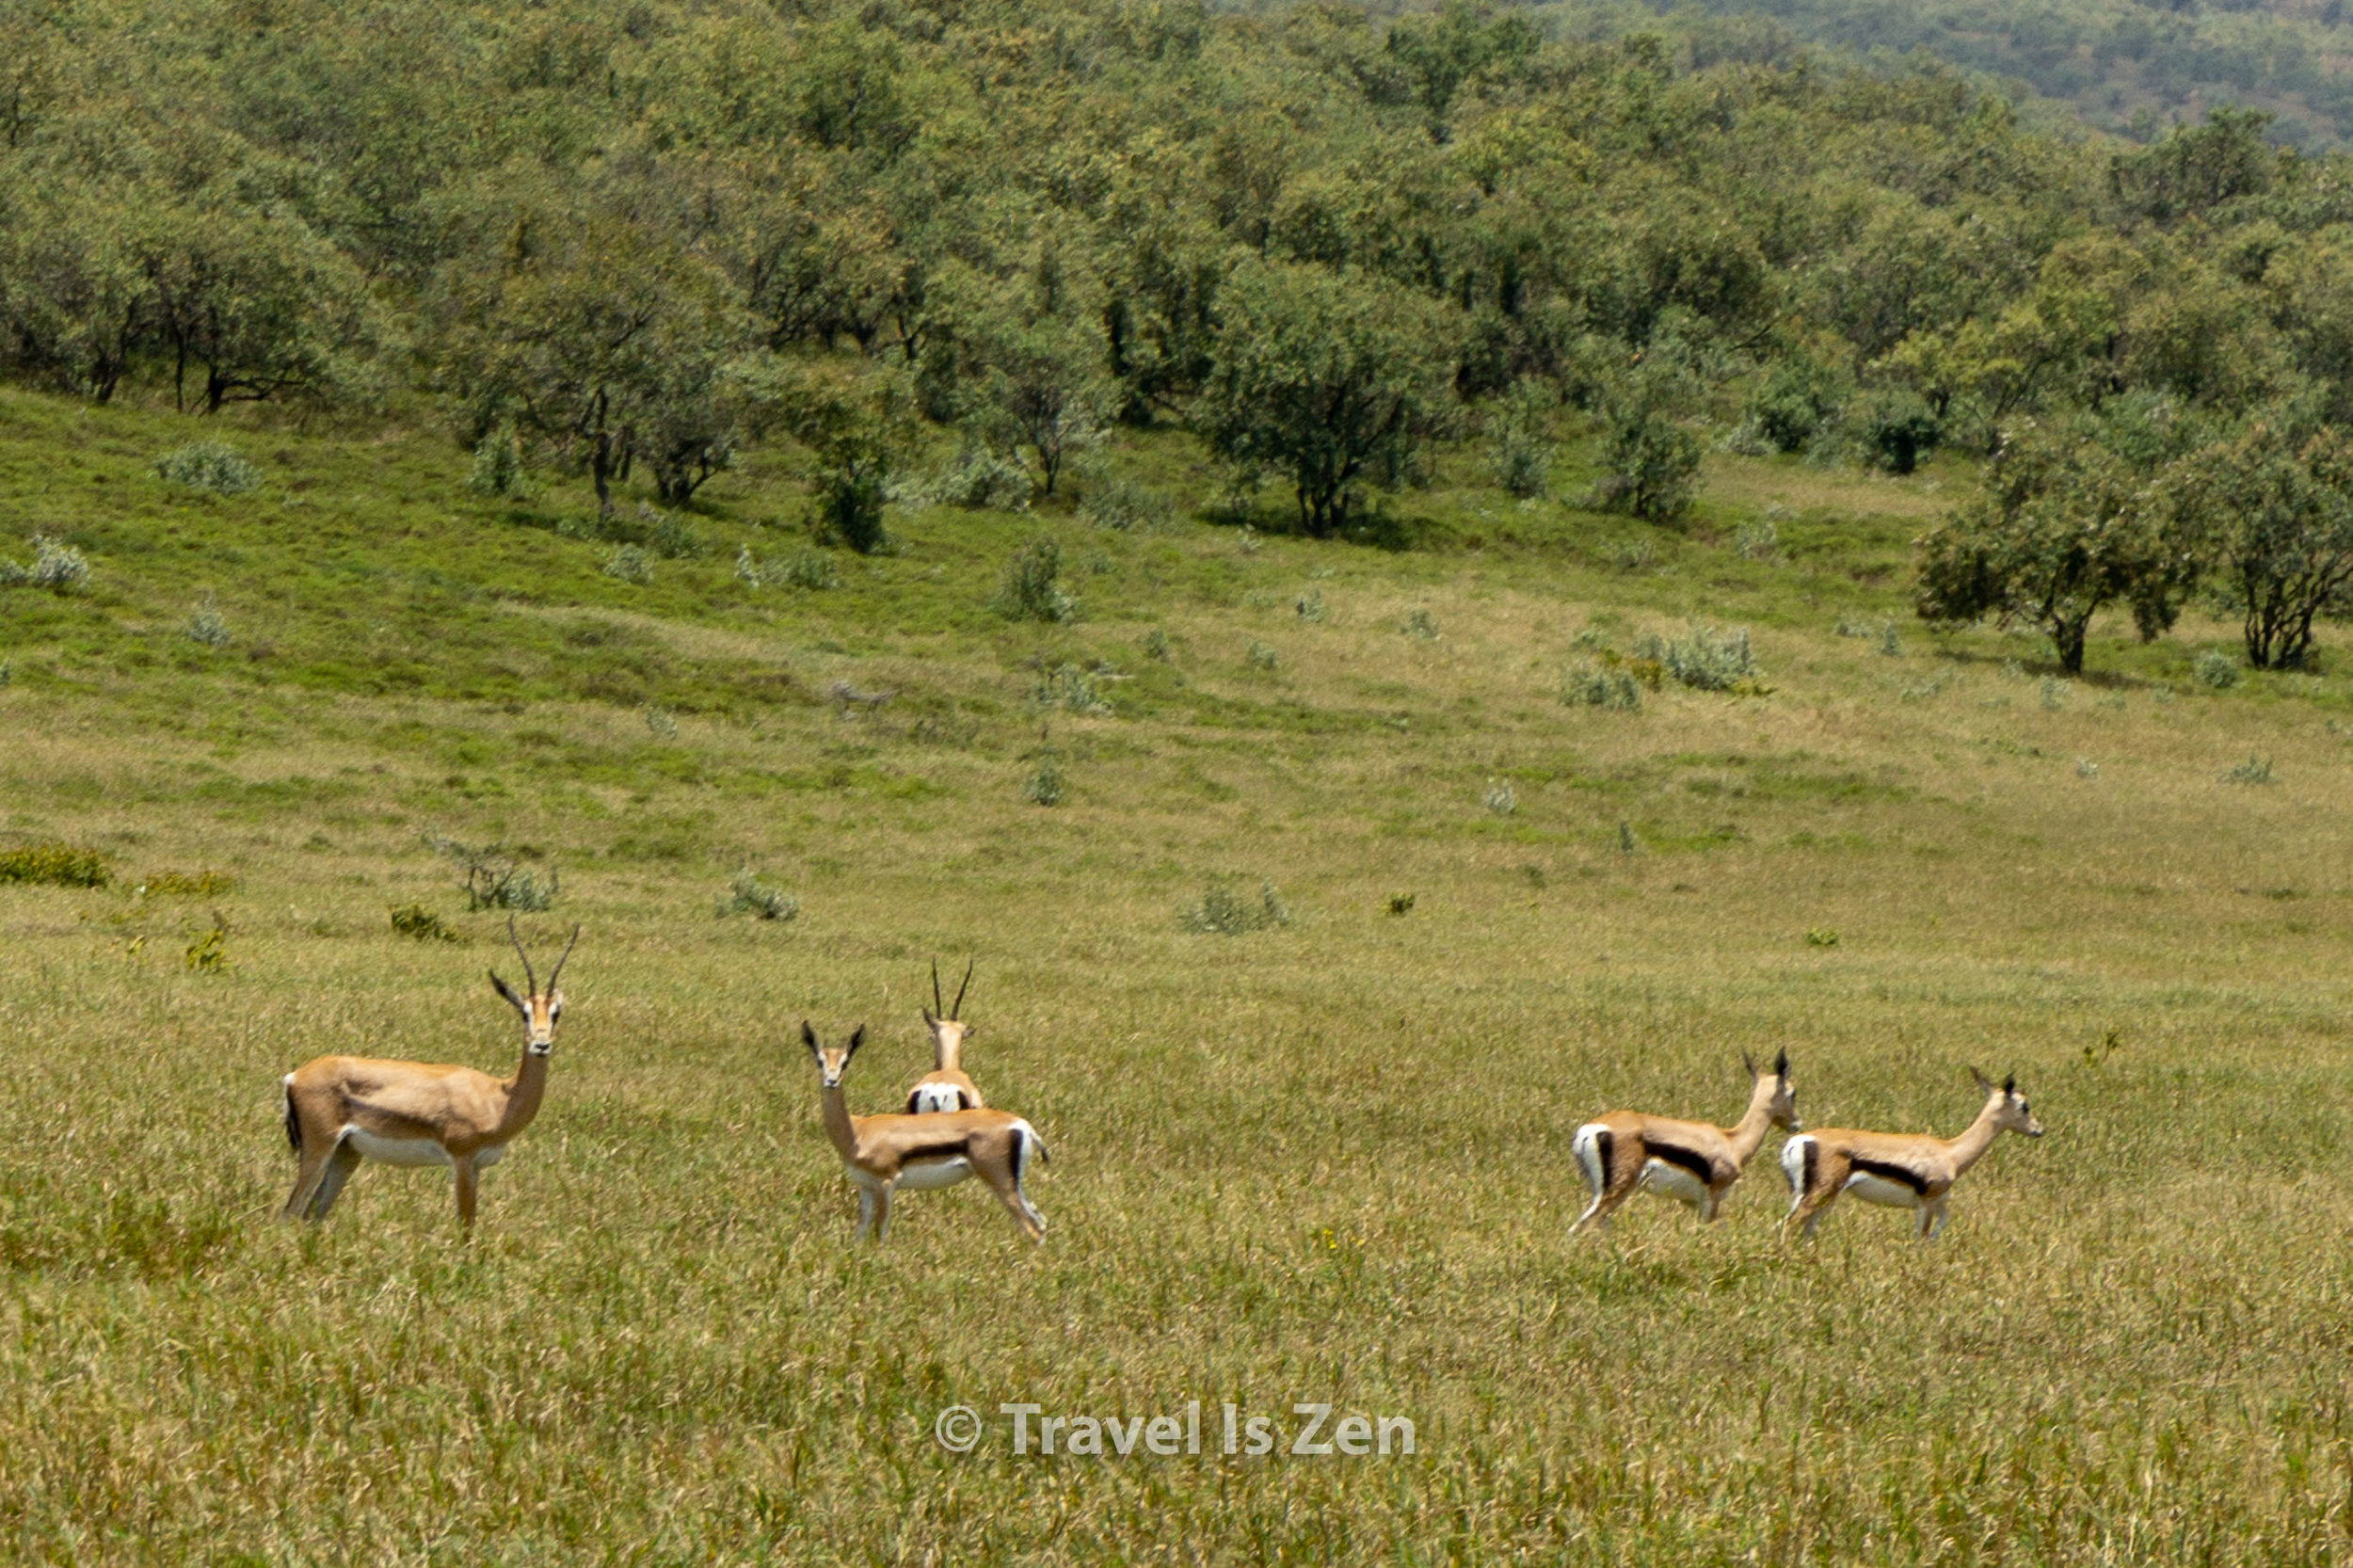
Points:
(928, 1020)
(1781, 1066)
(2010, 1084)
(1984, 1083)
(808, 1038)
(858, 1038)
(509, 992)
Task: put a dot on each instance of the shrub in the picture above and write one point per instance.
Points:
(1796, 400)
(1898, 428)
(1419, 626)
(208, 626)
(1156, 645)
(747, 895)
(54, 863)
(1590, 686)
(498, 466)
(1651, 465)
(1030, 589)
(418, 923)
(1890, 644)
(212, 468)
(1756, 541)
(1224, 913)
(1261, 657)
(2054, 693)
(630, 564)
(1519, 441)
(1071, 689)
(979, 480)
(209, 953)
(1705, 659)
(1502, 798)
(495, 880)
(661, 723)
(1126, 508)
(1045, 786)
(56, 567)
(2217, 670)
(1311, 607)
(2255, 770)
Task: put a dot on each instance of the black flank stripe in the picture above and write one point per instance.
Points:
(1812, 1153)
(1690, 1159)
(1887, 1172)
(934, 1151)
(1602, 1144)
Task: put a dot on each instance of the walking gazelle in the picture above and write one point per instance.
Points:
(1897, 1170)
(945, 1087)
(342, 1108)
(884, 1153)
(1693, 1163)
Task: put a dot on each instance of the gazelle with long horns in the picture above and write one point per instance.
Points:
(341, 1110)
(1897, 1170)
(945, 1087)
(882, 1154)
(1693, 1163)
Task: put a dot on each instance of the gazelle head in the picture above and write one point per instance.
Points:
(2010, 1112)
(1782, 1107)
(949, 1032)
(832, 1060)
(541, 1009)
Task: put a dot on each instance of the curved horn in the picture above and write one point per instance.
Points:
(528, 977)
(957, 1010)
(559, 963)
(938, 1011)
(1746, 1065)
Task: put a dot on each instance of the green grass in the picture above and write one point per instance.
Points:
(1324, 1161)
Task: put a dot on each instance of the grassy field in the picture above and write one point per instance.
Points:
(1323, 1161)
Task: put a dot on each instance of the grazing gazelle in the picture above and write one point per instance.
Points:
(1693, 1163)
(945, 1087)
(1897, 1170)
(884, 1153)
(343, 1109)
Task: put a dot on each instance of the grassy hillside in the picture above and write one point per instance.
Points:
(1322, 1161)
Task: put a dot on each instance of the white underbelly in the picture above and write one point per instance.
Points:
(1671, 1181)
(397, 1151)
(935, 1173)
(1887, 1194)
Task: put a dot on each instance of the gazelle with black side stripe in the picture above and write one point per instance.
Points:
(1897, 1170)
(945, 1087)
(1693, 1163)
(882, 1154)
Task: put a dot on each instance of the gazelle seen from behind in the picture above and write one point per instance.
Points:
(1897, 1170)
(341, 1110)
(883, 1154)
(945, 1087)
(1693, 1163)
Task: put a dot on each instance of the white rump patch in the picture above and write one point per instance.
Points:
(935, 1098)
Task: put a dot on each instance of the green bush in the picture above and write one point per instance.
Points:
(747, 895)
(419, 924)
(54, 863)
(1703, 659)
(1652, 467)
(1592, 685)
(1030, 589)
(1223, 912)
(1794, 401)
(212, 468)
(1898, 428)
(2216, 670)
(1128, 508)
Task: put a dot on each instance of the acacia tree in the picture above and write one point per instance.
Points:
(2063, 528)
(2278, 520)
(255, 303)
(611, 340)
(1335, 381)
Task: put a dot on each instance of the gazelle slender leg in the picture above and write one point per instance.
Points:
(1932, 1219)
(1808, 1209)
(1004, 1181)
(341, 1162)
(882, 1212)
(303, 1199)
(467, 1180)
(865, 1213)
(1622, 1183)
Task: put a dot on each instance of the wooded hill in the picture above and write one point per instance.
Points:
(621, 237)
